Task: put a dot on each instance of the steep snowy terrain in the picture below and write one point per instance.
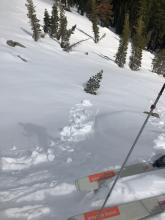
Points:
(52, 132)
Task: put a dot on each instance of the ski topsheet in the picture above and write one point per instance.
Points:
(136, 210)
(93, 182)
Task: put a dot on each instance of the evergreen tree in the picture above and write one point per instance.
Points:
(123, 46)
(138, 43)
(81, 6)
(54, 21)
(151, 10)
(67, 4)
(63, 33)
(65, 38)
(94, 21)
(33, 20)
(159, 63)
(104, 12)
(62, 23)
(93, 83)
(156, 27)
(120, 9)
(47, 22)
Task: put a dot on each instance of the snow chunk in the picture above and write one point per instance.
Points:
(86, 103)
(81, 122)
(160, 142)
(69, 160)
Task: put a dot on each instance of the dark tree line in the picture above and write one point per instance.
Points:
(113, 12)
(153, 12)
(142, 22)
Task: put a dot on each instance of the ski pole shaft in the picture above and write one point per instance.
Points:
(98, 217)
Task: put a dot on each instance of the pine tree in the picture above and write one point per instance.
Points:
(65, 35)
(138, 43)
(67, 4)
(81, 6)
(47, 22)
(65, 38)
(93, 83)
(104, 12)
(156, 25)
(123, 45)
(33, 20)
(62, 23)
(159, 63)
(54, 21)
(94, 21)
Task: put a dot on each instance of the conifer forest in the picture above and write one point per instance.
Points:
(142, 22)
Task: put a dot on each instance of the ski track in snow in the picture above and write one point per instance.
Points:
(37, 185)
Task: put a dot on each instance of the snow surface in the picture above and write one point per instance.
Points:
(52, 132)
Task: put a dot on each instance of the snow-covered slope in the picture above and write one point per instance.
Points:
(51, 132)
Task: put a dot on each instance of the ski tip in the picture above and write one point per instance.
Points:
(106, 214)
(139, 209)
(93, 181)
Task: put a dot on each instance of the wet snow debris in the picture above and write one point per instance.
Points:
(52, 190)
(28, 212)
(20, 192)
(13, 148)
(17, 163)
(86, 103)
(53, 183)
(66, 148)
(36, 192)
(50, 155)
(52, 143)
(69, 160)
(35, 177)
(81, 122)
(160, 142)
